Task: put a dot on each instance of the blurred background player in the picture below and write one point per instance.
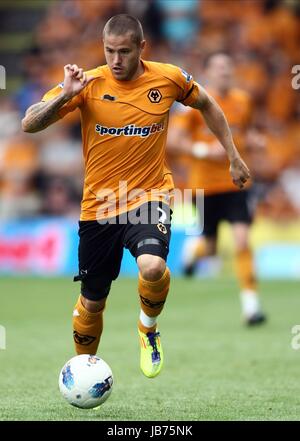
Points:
(207, 168)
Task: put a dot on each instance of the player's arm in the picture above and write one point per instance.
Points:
(43, 114)
(217, 123)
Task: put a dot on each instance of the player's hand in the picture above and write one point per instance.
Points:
(239, 172)
(75, 80)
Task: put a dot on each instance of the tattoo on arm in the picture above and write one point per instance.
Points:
(41, 115)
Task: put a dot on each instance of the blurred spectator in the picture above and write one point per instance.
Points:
(59, 198)
(9, 118)
(54, 173)
(60, 155)
(35, 80)
(180, 21)
(19, 163)
(150, 14)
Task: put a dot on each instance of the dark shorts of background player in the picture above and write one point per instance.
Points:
(145, 230)
(230, 206)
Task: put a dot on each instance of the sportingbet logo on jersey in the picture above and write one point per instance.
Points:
(130, 130)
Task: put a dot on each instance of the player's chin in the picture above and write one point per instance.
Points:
(120, 75)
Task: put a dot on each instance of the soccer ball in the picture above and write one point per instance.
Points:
(85, 381)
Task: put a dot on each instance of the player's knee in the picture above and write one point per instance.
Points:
(94, 291)
(242, 244)
(151, 267)
(241, 237)
(93, 305)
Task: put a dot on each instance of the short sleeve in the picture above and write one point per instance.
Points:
(187, 89)
(70, 106)
(192, 96)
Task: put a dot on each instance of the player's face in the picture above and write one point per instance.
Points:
(122, 56)
(220, 72)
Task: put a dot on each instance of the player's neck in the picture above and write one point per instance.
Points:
(140, 70)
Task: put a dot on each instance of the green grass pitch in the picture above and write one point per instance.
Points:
(215, 368)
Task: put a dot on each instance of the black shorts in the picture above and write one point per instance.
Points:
(146, 230)
(230, 206)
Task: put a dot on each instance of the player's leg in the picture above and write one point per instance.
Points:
(88, 316)
(195, 249)
(149, 244)
(240, 217)
(100, 254)
(250, 302)
(153, 287)
(205, 245)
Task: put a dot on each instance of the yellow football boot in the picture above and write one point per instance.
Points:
(151, 353)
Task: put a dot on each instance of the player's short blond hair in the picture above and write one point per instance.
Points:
(122, 24)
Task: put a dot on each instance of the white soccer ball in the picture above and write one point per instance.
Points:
(85, 381)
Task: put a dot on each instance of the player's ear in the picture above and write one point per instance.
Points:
(142, 45)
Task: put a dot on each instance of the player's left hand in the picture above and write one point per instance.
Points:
(239, 172)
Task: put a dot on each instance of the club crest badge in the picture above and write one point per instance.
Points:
(162, 228)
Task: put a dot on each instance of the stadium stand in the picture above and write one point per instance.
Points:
(262, 37)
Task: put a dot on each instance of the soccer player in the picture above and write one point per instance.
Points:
(124, 116)
(208, 171)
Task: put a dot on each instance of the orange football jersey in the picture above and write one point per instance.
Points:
(124, 131)
(213, 176)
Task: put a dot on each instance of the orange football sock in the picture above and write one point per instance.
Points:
(153, 296)
(87, 329)
(245, 270)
